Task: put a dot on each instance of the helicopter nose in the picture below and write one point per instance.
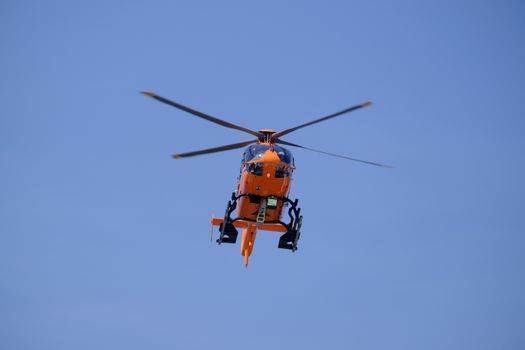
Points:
(270, 157)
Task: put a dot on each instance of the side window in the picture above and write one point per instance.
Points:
(255, 168)
(240, 170)
(289, 157)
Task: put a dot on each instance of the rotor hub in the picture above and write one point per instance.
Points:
(266, 135)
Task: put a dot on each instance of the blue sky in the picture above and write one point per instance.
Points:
(104, 240)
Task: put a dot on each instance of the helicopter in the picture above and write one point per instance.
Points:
(263, 187)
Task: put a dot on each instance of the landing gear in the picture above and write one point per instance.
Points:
(291, 237)
(229, 233)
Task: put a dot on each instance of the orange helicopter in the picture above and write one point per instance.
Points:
(263, 185)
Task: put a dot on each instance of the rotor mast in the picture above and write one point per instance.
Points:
(265, 135)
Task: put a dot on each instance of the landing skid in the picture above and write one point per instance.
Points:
(228, 227)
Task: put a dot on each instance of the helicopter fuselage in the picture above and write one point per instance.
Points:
(262, 192)
(265, 177)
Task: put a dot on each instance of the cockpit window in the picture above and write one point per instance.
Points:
(255, 152)
(281, 172)
(255, 169)
(285, 155)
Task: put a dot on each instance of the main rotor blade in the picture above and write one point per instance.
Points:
(353, 108)
(213, 150)
(331, 154)
(200, 114)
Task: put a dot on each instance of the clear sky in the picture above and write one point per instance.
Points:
(104, 240)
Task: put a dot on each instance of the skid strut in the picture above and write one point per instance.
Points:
(228, 232)
(291, 237)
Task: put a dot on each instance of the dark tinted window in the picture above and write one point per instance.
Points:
(255, 169)
(281, 172)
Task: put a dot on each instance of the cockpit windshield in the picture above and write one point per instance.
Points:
(285, 155)
(255, 152)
